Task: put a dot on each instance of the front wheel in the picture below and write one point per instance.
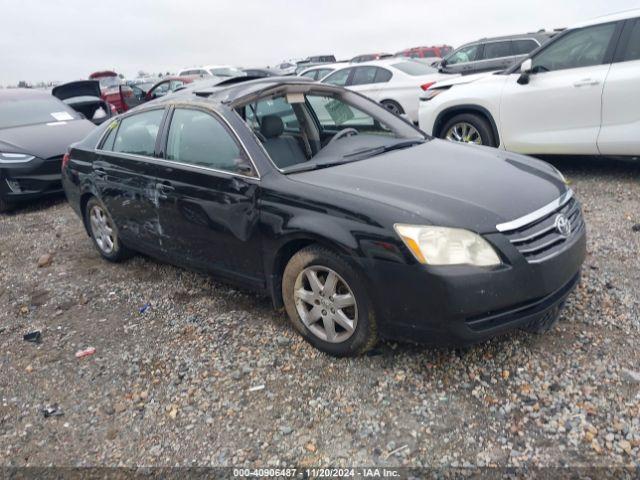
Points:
(103, 232)
(468, 128)
(327, 302)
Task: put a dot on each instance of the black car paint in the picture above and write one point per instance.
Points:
(244, 229)
(47, 143)
(84, 96)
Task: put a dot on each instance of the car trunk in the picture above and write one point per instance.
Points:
(84, 97)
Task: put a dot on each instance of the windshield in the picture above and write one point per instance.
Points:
(108, 82)
(414, 68)
(314, 130)
(17, 113)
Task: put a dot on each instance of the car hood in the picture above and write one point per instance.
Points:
(44, 140)
(447, 184)
(457, 79)
(81, 88)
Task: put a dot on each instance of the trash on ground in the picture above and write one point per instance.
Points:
(45, 260)
(52, 410)
(256, 388)
(33, 337)
(86, 352)
(145, 307)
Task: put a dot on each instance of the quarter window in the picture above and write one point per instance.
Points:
(111, 136)
(581, 48)
(137, 134)
(633, 45)
(197, 138)
(496, 50)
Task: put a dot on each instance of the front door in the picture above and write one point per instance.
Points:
(208, 198)
(558, 111)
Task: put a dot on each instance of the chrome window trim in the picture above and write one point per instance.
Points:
(216, 115)
(533, 216)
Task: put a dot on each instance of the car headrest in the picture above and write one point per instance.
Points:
(271, 126)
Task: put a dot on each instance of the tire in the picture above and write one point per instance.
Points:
(112, 250)
(5, 206)
(475, 122)
(546, 323)
(348, 284)
(393, 106)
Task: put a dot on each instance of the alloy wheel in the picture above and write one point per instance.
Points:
(326, 304)
(393, 108)
(465, 133)
(102, 230)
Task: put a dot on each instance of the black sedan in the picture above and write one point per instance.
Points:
(360, 225)
(36, 130)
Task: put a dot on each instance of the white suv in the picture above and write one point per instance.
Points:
(577, 94)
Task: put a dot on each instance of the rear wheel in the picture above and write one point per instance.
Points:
(104, 232)
(468, 128)
(327, 302)
(392, 106)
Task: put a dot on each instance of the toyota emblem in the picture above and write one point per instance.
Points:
(563, 226)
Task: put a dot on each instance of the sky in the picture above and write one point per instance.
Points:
(63, 40)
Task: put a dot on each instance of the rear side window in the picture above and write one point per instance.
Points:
(383, 75)
(414, 68)
(338, 78)
(197, 138)
(364, 76)
(496, 50)
(632, 51)
(312, 74)
(137, 134)
(522, 47)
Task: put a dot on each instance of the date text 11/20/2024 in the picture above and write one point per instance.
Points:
(316, 472)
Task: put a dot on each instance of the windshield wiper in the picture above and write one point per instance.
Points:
(370, 152)
(351, 157)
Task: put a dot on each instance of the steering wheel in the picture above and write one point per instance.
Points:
(343, 133)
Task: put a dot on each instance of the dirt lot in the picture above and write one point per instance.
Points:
(180, 384)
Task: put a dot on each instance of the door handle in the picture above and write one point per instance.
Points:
(586, 82)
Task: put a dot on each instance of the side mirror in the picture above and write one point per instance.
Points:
(526, 68)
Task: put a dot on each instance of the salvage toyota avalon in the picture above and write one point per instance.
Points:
(354, 221)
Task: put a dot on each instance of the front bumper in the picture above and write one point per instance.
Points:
(27, 181)
(461, 305)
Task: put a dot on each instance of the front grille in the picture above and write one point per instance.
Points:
(540, 240)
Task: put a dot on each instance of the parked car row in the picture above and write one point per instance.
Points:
(577, 94)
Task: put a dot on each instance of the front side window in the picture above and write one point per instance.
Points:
(313, 74)
(338, 78)
(466, 54)
(496, 50)
(137, 133)
(198, 138)
(174, 84)
(632, 52)
(580, 48)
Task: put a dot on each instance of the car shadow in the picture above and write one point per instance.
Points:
(595, 166)
(36, 205)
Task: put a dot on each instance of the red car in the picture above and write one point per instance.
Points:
(110, 84)
(439, 51)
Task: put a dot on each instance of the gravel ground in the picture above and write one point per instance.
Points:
(210, 375)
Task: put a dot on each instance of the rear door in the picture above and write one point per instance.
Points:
(620, 130)
(124, 175)
(496, 55)
(559, 110)
(369, 81)
(208, 193)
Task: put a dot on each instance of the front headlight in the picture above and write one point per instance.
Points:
(447, 246)
(15, 157)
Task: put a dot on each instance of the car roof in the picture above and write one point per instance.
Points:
(321, 66)
(12, 94)
(613, 17)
